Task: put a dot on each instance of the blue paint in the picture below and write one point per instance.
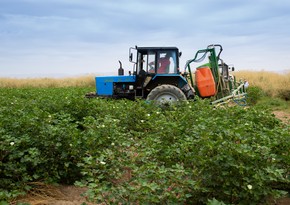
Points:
(104, 84)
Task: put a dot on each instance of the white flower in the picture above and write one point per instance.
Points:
(49, 116)
(103, 126)
(113, 144)
(70, 145)
(249, 186)
(148, 115)
(12, 143)
(157, 113)
(102, 162)
(141, 121)
(189, 106)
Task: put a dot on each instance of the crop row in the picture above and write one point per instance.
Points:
(136, 152)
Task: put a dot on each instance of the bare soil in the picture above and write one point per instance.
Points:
(55, 195)
(283, 116)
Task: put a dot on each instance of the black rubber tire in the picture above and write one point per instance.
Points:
(165, 94)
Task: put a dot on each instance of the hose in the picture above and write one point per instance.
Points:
(201, 58)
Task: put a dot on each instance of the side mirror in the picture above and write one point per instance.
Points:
(179, 54)
(131, 57)
(233, 68)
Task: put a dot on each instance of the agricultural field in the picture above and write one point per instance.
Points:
(134, 152)
(272, 84)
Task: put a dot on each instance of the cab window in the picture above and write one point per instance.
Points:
(167, 62)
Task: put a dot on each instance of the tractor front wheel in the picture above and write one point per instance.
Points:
(165, 94)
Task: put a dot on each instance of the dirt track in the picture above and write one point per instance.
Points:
(284, 116)
(56, 195)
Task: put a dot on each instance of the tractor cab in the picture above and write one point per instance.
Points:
(156, 60)
(154, 66)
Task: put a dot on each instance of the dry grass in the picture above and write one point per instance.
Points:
(270, 82)
(45, 194)
(83, 81)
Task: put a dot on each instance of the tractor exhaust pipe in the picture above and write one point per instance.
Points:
(120, 70)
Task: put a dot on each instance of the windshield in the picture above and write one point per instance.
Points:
(161, 62)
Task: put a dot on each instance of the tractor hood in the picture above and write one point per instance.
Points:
(105, 84)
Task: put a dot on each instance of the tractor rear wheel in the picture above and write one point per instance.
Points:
(165, 94)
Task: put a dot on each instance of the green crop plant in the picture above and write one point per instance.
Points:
(134, 152)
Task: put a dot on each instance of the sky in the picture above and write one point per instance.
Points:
(75, 37)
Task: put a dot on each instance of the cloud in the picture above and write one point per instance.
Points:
(85, 35)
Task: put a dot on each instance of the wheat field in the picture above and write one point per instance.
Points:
(270, 82)
(82, 81)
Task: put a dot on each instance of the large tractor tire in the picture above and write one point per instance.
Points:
(166, 94)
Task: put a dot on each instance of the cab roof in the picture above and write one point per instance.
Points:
(143, 49)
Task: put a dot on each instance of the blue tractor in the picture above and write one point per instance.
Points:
(157, 77)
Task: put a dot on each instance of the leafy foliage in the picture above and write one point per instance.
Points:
(135, 152)
(284, 94)
(255, 94)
